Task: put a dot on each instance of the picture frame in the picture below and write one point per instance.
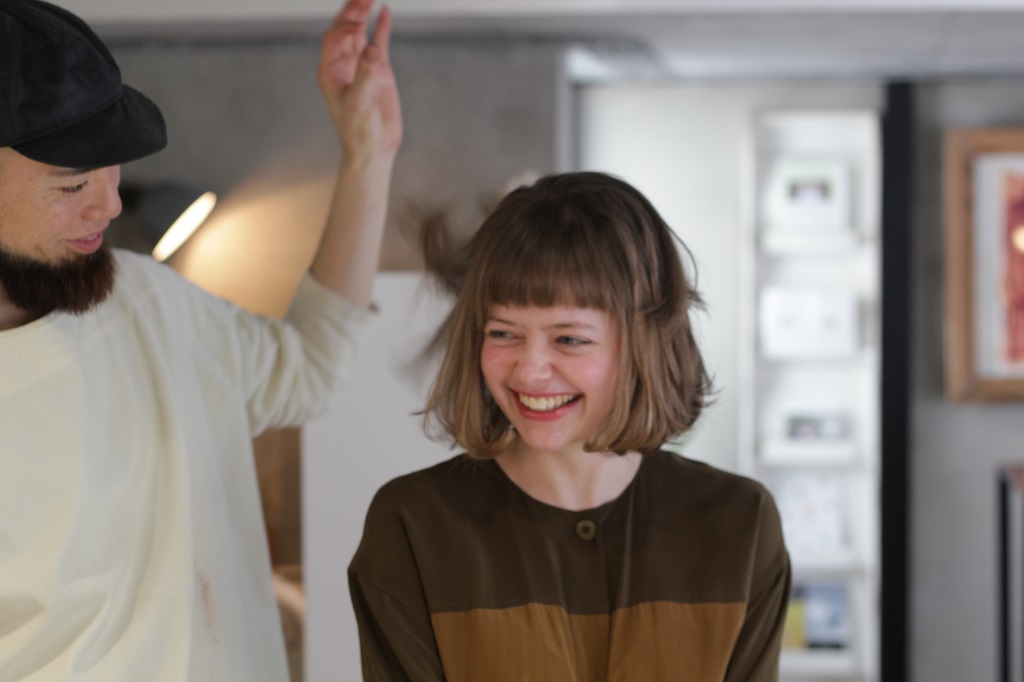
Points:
(807, 203)
(813, 509)
(810, 437)
(819, 617)
(807, 323)
(805, 427)
(984, 241)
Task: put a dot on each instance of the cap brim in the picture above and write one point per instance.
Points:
(129, 129)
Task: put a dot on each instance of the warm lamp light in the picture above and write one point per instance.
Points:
(169, 213)
(186, 224)
(1017, 238)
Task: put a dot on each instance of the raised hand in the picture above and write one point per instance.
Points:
(357, 82)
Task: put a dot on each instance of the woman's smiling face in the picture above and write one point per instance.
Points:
(553, 371)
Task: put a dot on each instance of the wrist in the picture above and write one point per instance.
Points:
(367, 161)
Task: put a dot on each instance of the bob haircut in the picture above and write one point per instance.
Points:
(586, 240)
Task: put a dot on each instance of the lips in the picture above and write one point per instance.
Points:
(545, 408)
(545, 403)
(87, 245)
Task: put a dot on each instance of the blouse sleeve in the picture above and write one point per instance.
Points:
(396, 638)
(755, 657)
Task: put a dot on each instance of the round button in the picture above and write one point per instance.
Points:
(586, 529)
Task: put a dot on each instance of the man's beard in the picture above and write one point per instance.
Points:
(73, 286)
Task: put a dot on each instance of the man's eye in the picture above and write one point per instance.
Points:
(72, 190)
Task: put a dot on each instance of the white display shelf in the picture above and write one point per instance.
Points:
(810, 364)
(782, 242)
(809, 453)
(845, 561)
(818, 664)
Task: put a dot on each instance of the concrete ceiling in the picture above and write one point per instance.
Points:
(656, 38)
(798, 43)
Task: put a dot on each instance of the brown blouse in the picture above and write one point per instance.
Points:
(461, 576)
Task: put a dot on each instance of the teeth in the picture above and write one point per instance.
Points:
(547, 403)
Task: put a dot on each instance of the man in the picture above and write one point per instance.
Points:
(131, 542)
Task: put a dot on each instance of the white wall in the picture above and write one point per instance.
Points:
(681, 146)
(368, 437)
(956, 449)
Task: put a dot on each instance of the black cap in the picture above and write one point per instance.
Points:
(61, 98)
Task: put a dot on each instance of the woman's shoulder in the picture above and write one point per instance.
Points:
(690, 483)
(437, 511)
(453, 479)
(702, 501)
(674, 468)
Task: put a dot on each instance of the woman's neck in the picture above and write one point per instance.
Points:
(570, 480)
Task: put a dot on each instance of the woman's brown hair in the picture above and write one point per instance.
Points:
(582, 239)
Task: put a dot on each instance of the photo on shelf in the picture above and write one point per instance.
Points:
(804, 427)
(809, 438)
(796, 322)
(812, 506)
(811, 195)
(818, 617)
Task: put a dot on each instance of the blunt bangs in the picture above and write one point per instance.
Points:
(552, 255)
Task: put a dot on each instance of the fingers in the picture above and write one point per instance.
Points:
(339, 54)
(382, 32)
(353, 12)
(343, 44)
(345, 51)
(347, 33)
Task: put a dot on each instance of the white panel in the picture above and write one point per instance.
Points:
(369, 436)
(679, 146)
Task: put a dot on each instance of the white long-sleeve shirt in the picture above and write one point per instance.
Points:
(131, 539)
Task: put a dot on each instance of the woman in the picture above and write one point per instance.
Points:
(565, 544)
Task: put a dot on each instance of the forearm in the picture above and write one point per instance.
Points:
(349, 253)
(359, 89)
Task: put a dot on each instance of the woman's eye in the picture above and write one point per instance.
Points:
(497, 334)
(572, 341)
(72, 190)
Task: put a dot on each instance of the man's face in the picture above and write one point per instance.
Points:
(52, 220)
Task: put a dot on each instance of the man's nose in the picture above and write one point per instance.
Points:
(105, 202)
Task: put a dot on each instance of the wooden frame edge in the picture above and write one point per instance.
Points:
(960, 146)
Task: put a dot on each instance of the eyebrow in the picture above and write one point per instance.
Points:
(572, 324)
(68, 172)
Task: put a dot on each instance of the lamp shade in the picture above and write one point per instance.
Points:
(169, 213)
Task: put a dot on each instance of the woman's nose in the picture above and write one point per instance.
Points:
(534, 364)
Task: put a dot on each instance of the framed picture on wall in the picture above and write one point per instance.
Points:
(806, 203)
(809, 437)
(818, 617)
(984, 207)
(812, 506)
(804, 323)
(816, 426)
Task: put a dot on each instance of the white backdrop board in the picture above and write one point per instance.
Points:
(369, 436)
